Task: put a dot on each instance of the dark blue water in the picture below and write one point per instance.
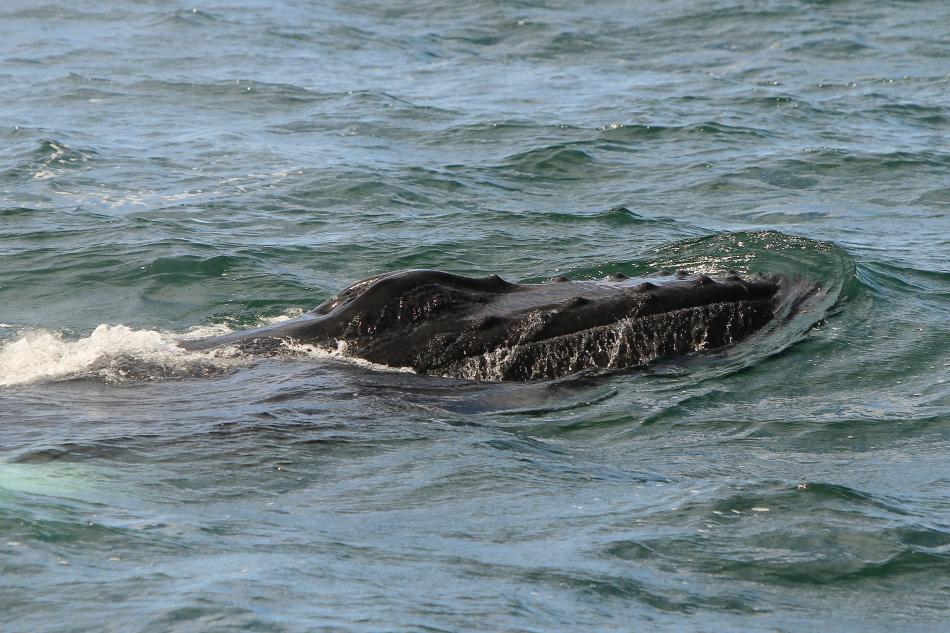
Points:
(171, 170)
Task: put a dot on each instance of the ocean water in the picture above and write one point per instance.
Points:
(173, 169)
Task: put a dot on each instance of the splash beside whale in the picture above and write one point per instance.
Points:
(490, 329)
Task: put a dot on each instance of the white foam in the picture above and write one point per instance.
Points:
(290, 314)
(340, 353)
(111, 352)
(117, 353)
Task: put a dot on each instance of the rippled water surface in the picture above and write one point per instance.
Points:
(178, 169)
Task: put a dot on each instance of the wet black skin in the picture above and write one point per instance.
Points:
(490, 329)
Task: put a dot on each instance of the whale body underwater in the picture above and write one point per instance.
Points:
(486, 328)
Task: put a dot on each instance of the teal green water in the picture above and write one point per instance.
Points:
(172, 170)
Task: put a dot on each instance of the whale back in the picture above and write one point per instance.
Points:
(485, 328)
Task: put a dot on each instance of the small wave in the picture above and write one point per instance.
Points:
(382, 191)
(831, 47)
(559, 162)
(641, 132)
(498, 133)
(816, 164)
(191, 266)
(788, 532)
(783, 216)
(46, 160)
(615, 216)
(186, 17)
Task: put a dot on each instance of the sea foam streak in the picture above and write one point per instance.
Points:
(111, 352)
(118, 353)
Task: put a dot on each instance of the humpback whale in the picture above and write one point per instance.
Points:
(486, 328)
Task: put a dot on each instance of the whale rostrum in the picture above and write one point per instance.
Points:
(486, 328)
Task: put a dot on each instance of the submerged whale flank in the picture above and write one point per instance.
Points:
(489, 329)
